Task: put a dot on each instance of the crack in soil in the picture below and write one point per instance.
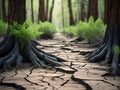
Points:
(110, 83)
(66, 54)
(65, 48)
(59, 77)
(14, 85)
(47, 82)
(31, 70)
(82, 66)
(64, 83)
(82, 82)
(103, 81)
(72, 67)
(16, 72)
(65, 71)
(26, 78)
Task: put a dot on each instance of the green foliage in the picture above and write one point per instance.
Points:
(92, 30)
(3, 27)
(25, 32)
(47, 28)
(69, 31)
(116, 50)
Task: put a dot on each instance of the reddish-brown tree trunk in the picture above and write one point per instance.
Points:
(42, 14)
(82, 14)
(108, 52)
(51, 11)
(17, 11)
(32, 12)
(106, 11)
(71, 19)
(93, 9)
(47, 7)
(4, 11)
(62, 9)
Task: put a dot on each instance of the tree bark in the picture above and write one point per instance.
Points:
(62, 7)
(42, 14)
(105, 53)
(82, 14)
(71, 19)
(51, 11)
(47, 7)
(93, 9)
(4, 11)
(32, 12)
(16, 11)
(0, 9)
(106, 11)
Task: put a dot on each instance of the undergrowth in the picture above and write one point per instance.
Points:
(25, 32)
(3, 28)
(69, 31)
(48, 29)
(116, 50)
(92, 31)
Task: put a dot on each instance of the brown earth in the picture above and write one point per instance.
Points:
(78, 74)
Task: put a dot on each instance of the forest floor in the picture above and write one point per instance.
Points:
(78, 74)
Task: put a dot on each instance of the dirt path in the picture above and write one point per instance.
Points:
(77, 75)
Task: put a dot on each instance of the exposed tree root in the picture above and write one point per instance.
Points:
(105, 53)
(11, 55)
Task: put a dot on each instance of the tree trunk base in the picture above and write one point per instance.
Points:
(10, 55)
(105, 53)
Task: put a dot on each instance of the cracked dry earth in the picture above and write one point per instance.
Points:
(76, 75)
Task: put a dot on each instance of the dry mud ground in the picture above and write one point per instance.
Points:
(78, 74)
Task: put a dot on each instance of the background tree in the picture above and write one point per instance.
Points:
(109, 52)
(0, 9)
(4, 16)
(82, 13)
(32, 11)
(42, 13)
(71, 19)
(47, 7)
(51, 11)
(62, 8)
(93, 9)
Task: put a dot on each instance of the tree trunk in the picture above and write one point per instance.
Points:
(42, 14)
(32, 12)
(71, 19)
(47, 7)
(62, 7)
(106, 11)
(82, 15)
(16, 11)
(108, 52)
(4, 11)
(0, 9)
(11, 53)
(93, 9)
(51, 11)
